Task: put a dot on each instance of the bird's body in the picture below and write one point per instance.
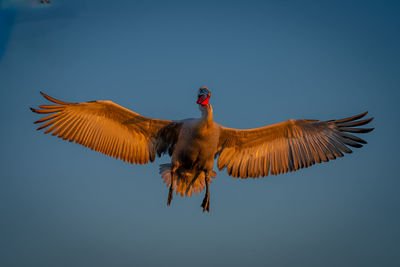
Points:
(193, 156)
(197, 144)
(194, 144)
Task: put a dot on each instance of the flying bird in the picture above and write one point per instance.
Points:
(194, 144)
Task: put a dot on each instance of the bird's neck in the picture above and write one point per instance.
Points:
(206, 114)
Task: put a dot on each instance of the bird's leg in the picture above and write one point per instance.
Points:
(206, 200)
(171, 187)
(192, 182)
(170, 194)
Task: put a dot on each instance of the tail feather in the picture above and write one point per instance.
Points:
(183, 179)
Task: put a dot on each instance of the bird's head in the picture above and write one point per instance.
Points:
(203, 96)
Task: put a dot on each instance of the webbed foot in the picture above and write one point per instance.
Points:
(206, 203)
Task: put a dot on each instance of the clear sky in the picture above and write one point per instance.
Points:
(264, 61)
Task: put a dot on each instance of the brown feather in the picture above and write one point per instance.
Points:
(287, 146)
(54, 100)
(353, 118)
(109, 128)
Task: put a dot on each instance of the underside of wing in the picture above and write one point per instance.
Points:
(287, 146)
(109, 128)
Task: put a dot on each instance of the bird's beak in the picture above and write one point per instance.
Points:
(203, 100)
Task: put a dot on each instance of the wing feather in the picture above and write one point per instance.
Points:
(109, 128)
(287, 146)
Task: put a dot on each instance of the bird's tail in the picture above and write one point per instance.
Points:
(182, 180)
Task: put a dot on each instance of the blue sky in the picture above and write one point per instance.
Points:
(265, 62)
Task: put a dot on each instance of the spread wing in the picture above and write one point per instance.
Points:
(109, 128)
(287, 146)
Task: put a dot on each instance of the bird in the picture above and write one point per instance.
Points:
(194, 144)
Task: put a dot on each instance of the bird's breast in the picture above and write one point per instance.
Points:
(196, 147)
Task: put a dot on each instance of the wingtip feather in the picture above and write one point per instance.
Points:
(356, 117)
(53, 99)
